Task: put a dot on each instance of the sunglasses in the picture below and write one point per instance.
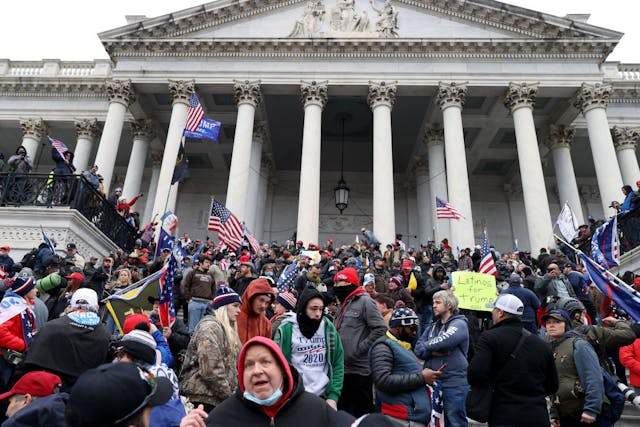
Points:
(151, 382)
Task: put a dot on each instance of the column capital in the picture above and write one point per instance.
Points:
(433, 136)
(592, 96)
(560, 136)
(625, 137)
(382, 93)
(143, 129)
(451, 94)
(181, 90)
(520, 95)
(156, 158)
(247, 92)
(121, 91)
(260, 130)
(266, 163)
(87, 128)
(419, 167)
(33, 127)
(314, 93)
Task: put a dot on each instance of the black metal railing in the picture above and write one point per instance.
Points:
(72, 191)
(629, 230)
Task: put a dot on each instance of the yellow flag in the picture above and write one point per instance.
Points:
(413, 283)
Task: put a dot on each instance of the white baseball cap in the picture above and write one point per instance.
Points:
(84, 294)
(508, 303)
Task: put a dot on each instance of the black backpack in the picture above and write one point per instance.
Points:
(29, 259)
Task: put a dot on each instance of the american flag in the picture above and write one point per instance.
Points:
(487, 265)
(166, 310)
(287, 277)
(47, 241)
(253, 243)
(59, 146)
(223, 222)
(437, 405)
(195, 114)
(444, 210)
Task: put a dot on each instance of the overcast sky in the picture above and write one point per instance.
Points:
(67, 29)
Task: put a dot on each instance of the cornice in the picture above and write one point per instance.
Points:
(485, 13)
(483, 49)
(43, 89)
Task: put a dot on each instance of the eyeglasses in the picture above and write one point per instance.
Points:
(550, 270)
(151, 381)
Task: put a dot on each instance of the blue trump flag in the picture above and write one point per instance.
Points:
(605, 249)
(208, 128)
(629, 302)
(165, 241)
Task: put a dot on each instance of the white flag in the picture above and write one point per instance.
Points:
(567, 223)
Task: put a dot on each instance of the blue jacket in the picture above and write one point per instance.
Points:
(528, 298)
(627, 205)
(451, 341)
(400, 389)
(163, 348)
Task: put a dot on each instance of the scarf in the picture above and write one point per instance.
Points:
(404, 344)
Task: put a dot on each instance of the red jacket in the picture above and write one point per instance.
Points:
(630, 358)
(11, 336)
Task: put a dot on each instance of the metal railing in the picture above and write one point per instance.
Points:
(72, 191)
(629, 230)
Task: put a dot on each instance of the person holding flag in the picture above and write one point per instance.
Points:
(63, 159)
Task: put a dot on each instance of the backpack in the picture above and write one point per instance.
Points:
(29, 259)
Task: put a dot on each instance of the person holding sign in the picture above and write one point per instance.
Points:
(446, 342)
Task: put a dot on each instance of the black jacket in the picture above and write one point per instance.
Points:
(44, 412)
(302, 408)
(521, 386)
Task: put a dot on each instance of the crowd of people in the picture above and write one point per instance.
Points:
(323, 335)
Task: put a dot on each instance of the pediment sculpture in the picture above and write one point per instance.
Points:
(345, 20)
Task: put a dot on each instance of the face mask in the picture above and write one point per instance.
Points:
(268, 273)
(406, 336)
(269, 401)
(342, 292)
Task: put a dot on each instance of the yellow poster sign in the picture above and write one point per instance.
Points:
(474, 290)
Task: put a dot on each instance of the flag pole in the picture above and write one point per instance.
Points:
(615, 278)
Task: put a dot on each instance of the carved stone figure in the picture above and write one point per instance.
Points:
(345, 18)
(311, 20)
(387, 22)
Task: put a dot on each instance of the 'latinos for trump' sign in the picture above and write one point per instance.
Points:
(474, 290)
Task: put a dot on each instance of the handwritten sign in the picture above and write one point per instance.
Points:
(474, 290)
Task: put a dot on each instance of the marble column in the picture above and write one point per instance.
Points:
(156, 163)
(625, 140)
(314, 98)
(251, 210)
(434, 138)
(381, 99)
(559, 142)
(120, 94)
(424, 201)
(263, 189)
(173, 197)
(519, 99)
(180, 91)
(591, 100)
(450, 98)
(248, 96)
(86, 131)
(33, 129)
(143, 133)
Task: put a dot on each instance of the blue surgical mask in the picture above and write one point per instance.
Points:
(268, 273)
(269, 401)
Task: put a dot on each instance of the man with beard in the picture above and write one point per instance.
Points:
(381, 274)
(359, 324)
(400, 383)
(310, 342)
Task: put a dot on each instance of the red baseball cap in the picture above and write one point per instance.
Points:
(75, 275)
(349, 275)
(132, 320)
(5, 248)
(407, 263)
(35, 383)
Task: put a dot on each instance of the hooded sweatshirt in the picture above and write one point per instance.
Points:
(251, 324)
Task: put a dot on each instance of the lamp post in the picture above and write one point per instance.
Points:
(341, 190)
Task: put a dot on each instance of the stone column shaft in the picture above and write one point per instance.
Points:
(181, 92)
(32, 132)
(156, 159)
(251, 211)
(120, 95)
(434, 139)
(142, 134)
(424, 202)
(592, 101)
(520, 99)
(451, 99)
(263, 188)
(314, 97)
(559, 142)
(625, 141)
(381, 98)
(86, 131)
(248, 97)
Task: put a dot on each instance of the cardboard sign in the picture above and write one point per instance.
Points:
(474, 290)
